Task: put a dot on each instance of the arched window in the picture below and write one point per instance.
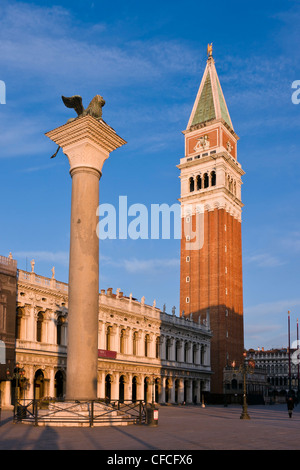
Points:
(213, 178)
(39, 327)
(167, 348)
(19, 320)
(122, 342)
(206, 180)
(157, 347)
(194, 354)
(186, 347)
(199, 182)
(108, 338)
(177, 348)
(147, 341)
(202, 355)
(135, 342)
(192, 184)
(234, 384)
(59, 329)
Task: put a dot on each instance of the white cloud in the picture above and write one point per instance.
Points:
(59, 257)
(135, 265)
(279, 307)
(264, 260)
(292, 242)
(48, 42)
(266, 323)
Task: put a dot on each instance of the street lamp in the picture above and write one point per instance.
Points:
(19, 377)
(246, 369)
(153, 388)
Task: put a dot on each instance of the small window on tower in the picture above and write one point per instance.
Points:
(187, 279)
(187, 300)
(192, 185)
(213, 178)
(187, 259)
(206, 180)
(199, 182)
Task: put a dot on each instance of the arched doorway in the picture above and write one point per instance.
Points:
(176, 390)
(185, 390)
(39, 385)
(108, 388)
(134, 389)
(157, 382)
(121, 388)
(195, 390)
(167, 391)
(59, 384)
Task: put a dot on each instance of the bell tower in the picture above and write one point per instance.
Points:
(211, 285)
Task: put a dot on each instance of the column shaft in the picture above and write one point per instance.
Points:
(83, 286)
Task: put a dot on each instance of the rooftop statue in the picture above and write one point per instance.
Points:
(209, 49)
(94, 108)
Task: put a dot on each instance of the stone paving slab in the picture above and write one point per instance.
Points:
(180, 428)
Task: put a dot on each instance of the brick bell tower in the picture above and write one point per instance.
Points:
(211, 285)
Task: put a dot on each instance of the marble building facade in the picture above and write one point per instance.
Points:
(143, 353)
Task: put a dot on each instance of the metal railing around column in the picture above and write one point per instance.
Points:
(84, 412)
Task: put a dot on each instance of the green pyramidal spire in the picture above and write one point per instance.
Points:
(210, 103)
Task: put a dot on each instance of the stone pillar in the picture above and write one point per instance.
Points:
(128, 387)
(115, 386)
(51, 383)
(101, 384)
(172, 390)
(181, 391)
(189, 394)
(140, 388)
(87, 143)
(5, 394)
(162, 393)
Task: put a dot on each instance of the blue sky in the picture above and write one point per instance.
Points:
(147, 59)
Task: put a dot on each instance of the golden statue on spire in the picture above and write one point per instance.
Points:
(209, 50)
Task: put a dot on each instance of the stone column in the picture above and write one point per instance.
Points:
(87, 143)
(181, 391)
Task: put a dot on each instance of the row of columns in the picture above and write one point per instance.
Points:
(161, 389)
(116, 386)
(28, 319)
(170, 348)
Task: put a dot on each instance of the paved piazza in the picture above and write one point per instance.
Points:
(180, 428)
